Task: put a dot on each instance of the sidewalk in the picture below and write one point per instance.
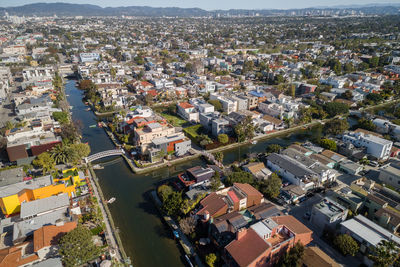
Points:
(110, 235)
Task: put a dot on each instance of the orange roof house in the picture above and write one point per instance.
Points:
(49, 235)
(264, 242)
(17, 255)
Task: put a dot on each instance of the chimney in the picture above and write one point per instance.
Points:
(206, 215)
(241, 233)
(59, 222)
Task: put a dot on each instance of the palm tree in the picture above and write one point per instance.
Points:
(60, 154)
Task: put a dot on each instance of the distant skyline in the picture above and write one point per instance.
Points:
(209, 4)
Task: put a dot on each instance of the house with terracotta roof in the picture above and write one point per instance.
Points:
(264, 242)
(46, 238)
(188, 111)
(234, 198)
(18, 255)
(212, 206)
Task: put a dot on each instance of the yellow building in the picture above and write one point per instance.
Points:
(13, 195)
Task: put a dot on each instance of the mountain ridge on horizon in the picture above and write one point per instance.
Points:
(70, 9)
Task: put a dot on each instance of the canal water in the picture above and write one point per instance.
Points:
(147, 241)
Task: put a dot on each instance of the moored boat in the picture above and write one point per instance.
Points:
(111, 200)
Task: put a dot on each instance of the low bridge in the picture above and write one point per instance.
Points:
(104, 154)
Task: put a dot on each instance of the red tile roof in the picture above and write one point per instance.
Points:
(50, 234)
(212, 204)
(292, 223)
(185, 105)
(12, 257)
(248, 189)
(152, 92)
(233, 196)
(247, 248)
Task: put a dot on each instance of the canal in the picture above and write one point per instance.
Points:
(146, 240)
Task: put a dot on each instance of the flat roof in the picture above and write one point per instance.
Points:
(329, 207)
(369, 231)
(31, 184)
(11, 176)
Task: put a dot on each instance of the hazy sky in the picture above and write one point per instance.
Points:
(207, 4)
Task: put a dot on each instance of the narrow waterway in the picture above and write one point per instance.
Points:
(146, 239)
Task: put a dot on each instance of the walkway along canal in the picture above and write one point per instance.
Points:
(147, 241)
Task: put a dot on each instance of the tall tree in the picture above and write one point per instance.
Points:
(293, 257)
(60, 154)
(77, 247)
(271, 186)
(336, 126)
(45, 161)
(385, 254)
(346, 244)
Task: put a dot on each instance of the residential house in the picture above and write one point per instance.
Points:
(292, 171)
(196, 175)
(188, 112)
(390, 174)
(176, 143)
(264, 242)
(14, 195)
(145, 136)
(46, 238)
(378, 148)
(367, 233)
(328, 213)
(258, 170)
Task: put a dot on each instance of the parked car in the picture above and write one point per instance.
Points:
(373, 164)
(307, 215)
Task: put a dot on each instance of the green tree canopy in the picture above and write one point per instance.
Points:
(293, 257)
(219, 156)
(223, 138)
(385, 254)
(273, 148)
(328, 144)
(77, 247)
(239, 177)
(44, 161)
(215, 181)
(336, 126)
(173, 203)
(336, 108)
(217, 104)
(271, 187)
(346, 244)
(244, 130)
(164, 191)
(211, 259)
(61, 117)
(366, 124)
(60, 154)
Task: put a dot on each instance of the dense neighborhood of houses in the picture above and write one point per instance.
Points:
(317, 182)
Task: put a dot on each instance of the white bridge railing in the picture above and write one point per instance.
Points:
(104, 154)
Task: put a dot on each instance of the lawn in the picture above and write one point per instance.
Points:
(193, 131)
(175, 120)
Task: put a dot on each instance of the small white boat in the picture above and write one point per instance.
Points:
(98, 167)
(254, 142)
(111, 200)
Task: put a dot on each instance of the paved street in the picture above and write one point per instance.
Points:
(306, 206)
